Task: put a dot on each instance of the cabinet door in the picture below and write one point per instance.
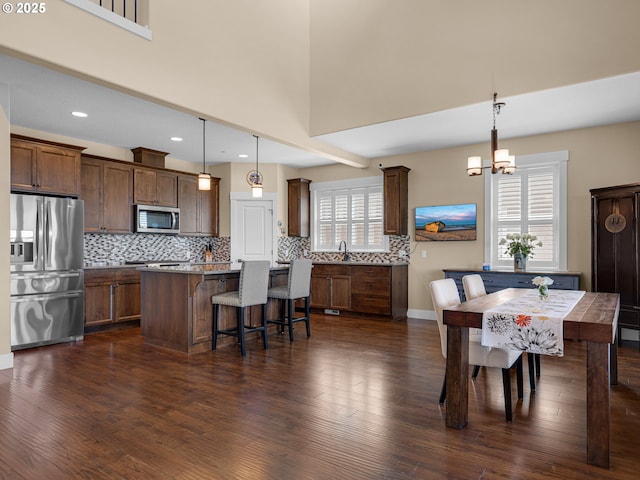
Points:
(320, 291)
(188, 203)
(298, 207)
(144, 186)
(117, 195)
(23, 165)
(58, 171)
(167, 189)
(396, 210)
(341, 292)
(97, 304)
(91, 193)
(127, 302)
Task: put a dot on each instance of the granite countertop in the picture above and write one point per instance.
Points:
(145, 264)
(349, 262)
(202, 268)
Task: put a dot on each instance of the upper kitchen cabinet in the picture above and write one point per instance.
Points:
(45, 167)
(298, 207)
(155, 187)
(198, 208)
(396, 200)
(107, 191)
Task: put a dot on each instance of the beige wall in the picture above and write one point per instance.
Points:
(5, 324)
(379, 60)
(598, 157)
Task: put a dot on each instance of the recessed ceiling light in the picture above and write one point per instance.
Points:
(243, 155)
(79, 114)
(176, 139)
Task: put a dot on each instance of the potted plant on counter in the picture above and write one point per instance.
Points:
(520, 246)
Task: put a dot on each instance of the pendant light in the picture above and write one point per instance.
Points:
(254, 177)
(501, 161)
(204, 179)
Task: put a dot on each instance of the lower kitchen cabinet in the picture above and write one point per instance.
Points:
(377, 290)
(111, 296)
(331, 287)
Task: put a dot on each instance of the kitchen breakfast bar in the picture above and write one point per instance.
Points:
(176, 310)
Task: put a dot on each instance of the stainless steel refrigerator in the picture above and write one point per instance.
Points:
(47, 280)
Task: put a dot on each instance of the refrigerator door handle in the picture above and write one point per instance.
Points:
(47, 233)
(44, 276)
(37, 240)
(39, 298)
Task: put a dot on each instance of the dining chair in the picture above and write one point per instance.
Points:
(254, 283)
(444, 294)
(298, 286)
(474, 287)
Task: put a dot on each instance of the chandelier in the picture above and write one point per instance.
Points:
(501, 161)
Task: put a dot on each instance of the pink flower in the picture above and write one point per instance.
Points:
(523, 320)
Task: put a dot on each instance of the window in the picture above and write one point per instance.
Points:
(533, 200)
(349, 210)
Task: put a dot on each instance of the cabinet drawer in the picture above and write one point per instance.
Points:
(371, 285)
(330, 270)
(98, 277)
(376, 304)
(371, 271)
(128, 275)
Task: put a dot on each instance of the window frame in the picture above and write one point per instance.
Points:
(349, 185)
(524, 164)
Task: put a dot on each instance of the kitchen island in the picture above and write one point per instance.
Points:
(176, 310)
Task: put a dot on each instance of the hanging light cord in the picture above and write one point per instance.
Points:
(203, 145)
(257, 171)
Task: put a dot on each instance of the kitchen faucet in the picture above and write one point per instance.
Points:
(345, 256)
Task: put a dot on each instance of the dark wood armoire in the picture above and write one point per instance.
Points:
(615, 241)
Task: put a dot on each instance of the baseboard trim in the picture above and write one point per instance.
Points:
(422, 314)
(6, 361)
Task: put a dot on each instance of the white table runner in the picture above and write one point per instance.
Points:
(530, 324)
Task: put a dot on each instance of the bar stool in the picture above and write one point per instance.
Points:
(254, 283)
(474, 287)
(298, 286)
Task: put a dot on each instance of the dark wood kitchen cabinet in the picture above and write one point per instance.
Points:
(299, 204)
(615, 243)
(107, 191)
(355, 289)
(331, 287)
(198, 208)
(396, 200)
(111, 296)
(45, 167)
(155, 187)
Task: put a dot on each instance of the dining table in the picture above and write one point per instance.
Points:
(592, 320)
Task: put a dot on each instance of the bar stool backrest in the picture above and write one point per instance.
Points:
(299, 278)
(254, 282)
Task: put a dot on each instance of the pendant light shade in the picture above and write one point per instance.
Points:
(254, 177)
(204, 179)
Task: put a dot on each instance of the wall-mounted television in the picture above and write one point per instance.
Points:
(446, 222)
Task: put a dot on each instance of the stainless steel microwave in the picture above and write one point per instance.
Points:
(157, 219)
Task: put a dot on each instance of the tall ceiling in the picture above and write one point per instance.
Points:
(558, 70)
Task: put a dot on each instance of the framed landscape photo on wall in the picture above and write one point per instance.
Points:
(446, 222)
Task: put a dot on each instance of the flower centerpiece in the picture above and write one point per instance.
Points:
(520, 246)
(543, 286)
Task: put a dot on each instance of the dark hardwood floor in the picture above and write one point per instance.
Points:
(357, 400)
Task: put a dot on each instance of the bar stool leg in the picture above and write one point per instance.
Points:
(290, 313)
(264, 326)
(214, 329)
(307, 314)
(241, 331)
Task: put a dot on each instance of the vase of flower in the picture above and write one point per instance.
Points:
(519, 262)
(542, 283)
(520, 246)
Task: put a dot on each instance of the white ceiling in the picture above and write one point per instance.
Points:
(42, 99)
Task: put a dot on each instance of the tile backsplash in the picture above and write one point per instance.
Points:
(294, 247)
(107, 249)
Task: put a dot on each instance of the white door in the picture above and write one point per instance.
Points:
(252, 227)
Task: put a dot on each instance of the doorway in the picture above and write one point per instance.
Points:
(253, 229)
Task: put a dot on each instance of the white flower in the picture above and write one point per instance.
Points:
(539, 281)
